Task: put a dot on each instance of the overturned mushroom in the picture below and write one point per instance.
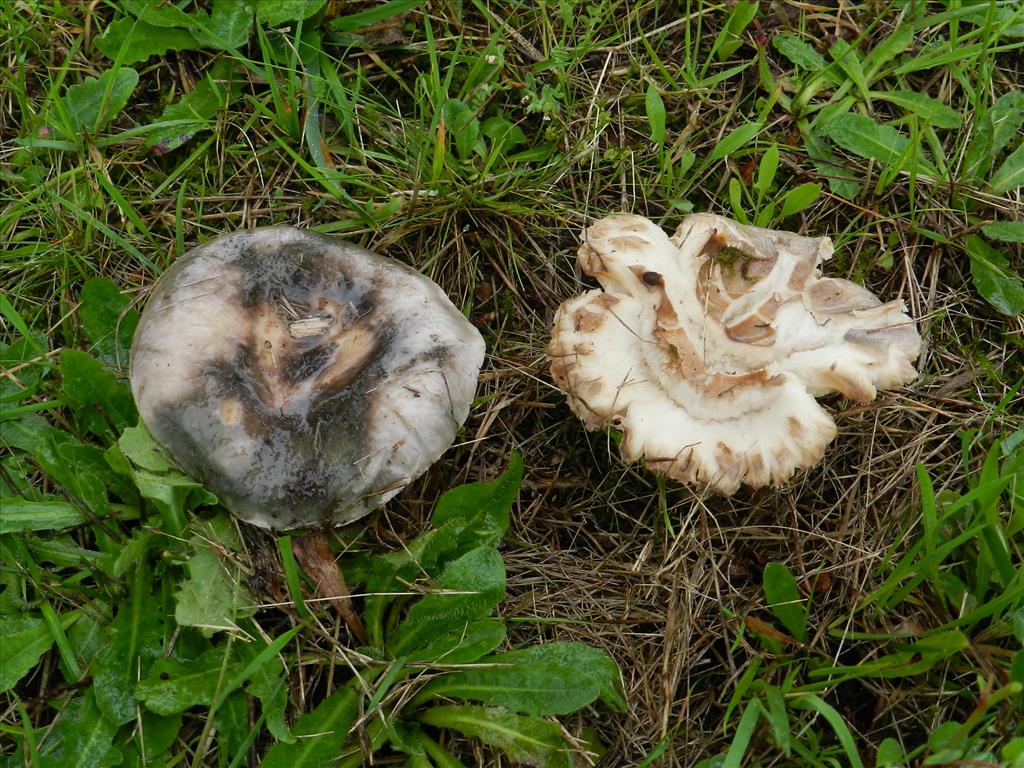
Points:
(707, 349)
(304, 380)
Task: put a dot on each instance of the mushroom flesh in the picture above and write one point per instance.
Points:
(302, 379)
(707, 349)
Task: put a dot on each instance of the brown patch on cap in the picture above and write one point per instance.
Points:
(836, 296)
(230, 411)
(710, 296)
(712, 246)
(589, 388)
(585, 320)
(590, 261)
(802, 272)
(355, 347)
(583, 348)
(729, 464)
(269, 348)
(756, 462)
(628, 243)
(560, 370)
(847, 386)
(720, 383)
(757, 328)
(753, 330)
(668, 331)
(591, 316)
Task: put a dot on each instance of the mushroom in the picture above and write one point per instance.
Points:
(708, 349)
(302, 379)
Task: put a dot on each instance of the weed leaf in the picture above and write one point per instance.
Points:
(839, 726)
(551, 679)
(1006, 18)
(157, 14)
(655, 114)
(354, 22)
(730, 39)
(911, 659)
(783, 596)
(90, 106)
(98, 399)
(848, 60)
(799, 52)
(269, 683)
(1010, 175)
(82, 470)
(135, 40)
(537, 689)
(463, 126)
(170, 490)
(588, 661)
(866, 138)
(134, 640)
(480, 511)
(778, 717)
(228, 25)
(504, 135)
(86, 738)
(25, 640)
(1007, 231)
(390, 572)
(172, 685)
(318, 734)
(281, 12)
(994, 128)
(744, 733)
(827, 164)
(1007, 116)
(525, 739)
(210, 598)
(932, 111)
(766, 170)
(26, 352)
(139, 447)
(993, 277)
(474, 584)
(887, 50)
(192, 113)
(159, 733)
(734, 141)
(889, 753)
(23, 515)
(108, 321)
(736, 201)
(799, 198)
(464, 645)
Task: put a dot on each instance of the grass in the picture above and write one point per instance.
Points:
(871, 612)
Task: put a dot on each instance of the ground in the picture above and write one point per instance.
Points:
(476, 141)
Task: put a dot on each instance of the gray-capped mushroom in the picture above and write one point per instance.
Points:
(302, 379)
(707, 349)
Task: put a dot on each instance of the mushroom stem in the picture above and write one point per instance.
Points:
(316, 557)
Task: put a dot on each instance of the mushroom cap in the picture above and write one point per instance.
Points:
(707, 349)
(302, 379)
